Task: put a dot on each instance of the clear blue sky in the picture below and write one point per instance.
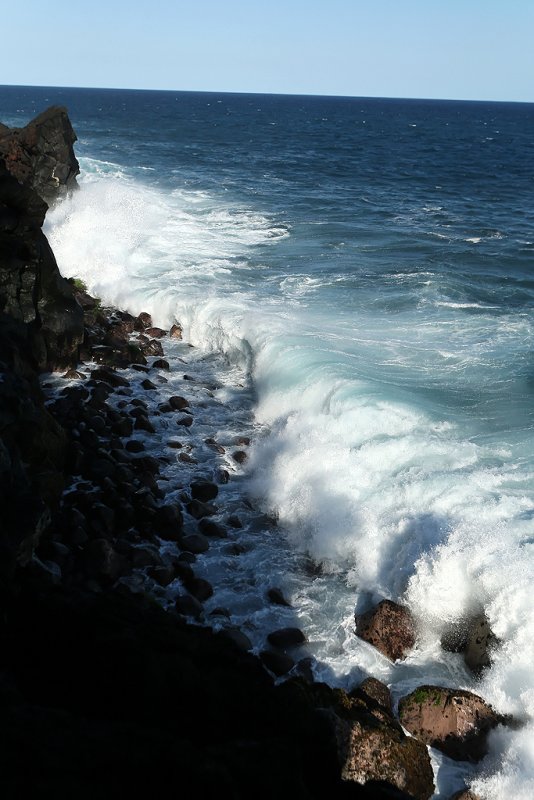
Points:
(460, 49)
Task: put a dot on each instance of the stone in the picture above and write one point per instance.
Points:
(194, 543)
(277, 598)
(186, 421)
(465, 794)
(382, 752)
(163, 575)
(234, 521)
(161, 363)
(239, 456)
(389, 627)
(188, 606)
(213, 445)
(286, 638)
(374, 691)
(204, 490)
(155, 333)
(473, 638)
(109, 376)
(210, 528)
(147, 385)
(199, 588)
(278, 663)
(178, 403)
(454, 721)
(239, 639)
(198, 509)
(175, 332)
(143, 321)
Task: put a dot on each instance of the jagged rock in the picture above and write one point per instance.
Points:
(175, 332)
(143, 322)
(155, 333)
(465, 794)
(374, 692)
(41, 155)
(451, 720)
(32, 289)
(382, 752)
(389, 627)
(473, 638)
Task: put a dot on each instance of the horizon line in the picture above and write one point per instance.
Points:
(264, 93)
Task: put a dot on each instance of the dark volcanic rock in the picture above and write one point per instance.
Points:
(452, 720)
(389, 627)
(32, 289)
(204, 490)
(41, 155)
(285, 638)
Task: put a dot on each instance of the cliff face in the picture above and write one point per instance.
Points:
(41, 327)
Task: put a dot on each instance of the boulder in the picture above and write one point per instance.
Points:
(473, 638)
(454, 721)
(389, 627)
(286, 638)
(175, 332)
(382, 752)
(204, 490)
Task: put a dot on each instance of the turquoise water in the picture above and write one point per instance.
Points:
(366, 268)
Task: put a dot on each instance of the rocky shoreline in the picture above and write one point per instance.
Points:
(107, 685)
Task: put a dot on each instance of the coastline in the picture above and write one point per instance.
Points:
(123, 523)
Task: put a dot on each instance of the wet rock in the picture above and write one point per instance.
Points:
(174, 444)
(134, 446)
(168, 522)
(178, 403)
(161, 363)
(382, 752)
(163, 575)
(198, 509)
(374, 691)
(109, 376)
(155, 333)
(152, 348)
(236, 636)
(212, 529)
(142, 423)
(465, 794)
(213, 445)
(147, 385)
(199, 588)
(143, 321)
(175, 332)
(275, 596)
(194, 543)
(186, 421)
(101, 561)
(451, 720)
(188, 606)
(222, 476)
(286, 638)
(187, 459)
(204, 490)
(474, 638)
(239, 456)
(389, 627)
(278, 663)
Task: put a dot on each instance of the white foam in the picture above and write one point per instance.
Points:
(395, 497)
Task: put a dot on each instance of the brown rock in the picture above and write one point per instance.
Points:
(175, 332)
(178, 403)
(374, 691)
(161, 363)
(155, 333)
(465, 794)
(451, 720)
(389, 627)
(143, 321)
(383, 753)
(239, 456)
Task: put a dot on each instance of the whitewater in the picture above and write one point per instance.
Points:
(369, 319)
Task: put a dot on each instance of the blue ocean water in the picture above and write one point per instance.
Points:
(365, 268)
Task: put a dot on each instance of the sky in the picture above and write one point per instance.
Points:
(454, 49)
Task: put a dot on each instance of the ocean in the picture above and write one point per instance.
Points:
(356, 277)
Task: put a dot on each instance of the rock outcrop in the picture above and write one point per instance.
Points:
(389, 627)
(41, 155)
(451, 720)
